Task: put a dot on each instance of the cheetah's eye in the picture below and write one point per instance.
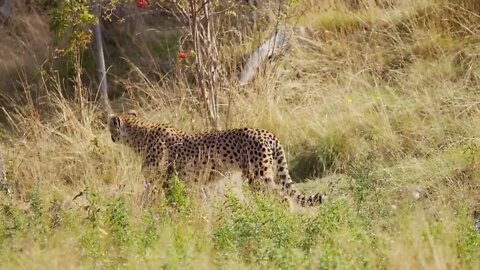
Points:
(115, 121)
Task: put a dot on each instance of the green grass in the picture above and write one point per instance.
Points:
(108, 233)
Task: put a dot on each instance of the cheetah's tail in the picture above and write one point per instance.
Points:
(286, 182)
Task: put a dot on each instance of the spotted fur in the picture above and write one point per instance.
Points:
(256, 152)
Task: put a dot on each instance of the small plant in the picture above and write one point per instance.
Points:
(176, 194)
(55, 213)
(469, 242)
(362, 181)
(35, 203)
(117, 219)
(150, 233)
(93, 210)
(93, 241)
(11, 222)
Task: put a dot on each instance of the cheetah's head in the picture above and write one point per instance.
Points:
(116, 126)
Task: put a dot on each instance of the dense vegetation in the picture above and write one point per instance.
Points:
(377, 105)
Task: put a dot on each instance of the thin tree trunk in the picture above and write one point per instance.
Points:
(102, 73)
(6, 10)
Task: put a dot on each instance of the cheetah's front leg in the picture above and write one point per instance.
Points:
(151, 174)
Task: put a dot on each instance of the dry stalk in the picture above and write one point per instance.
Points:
(203, 28)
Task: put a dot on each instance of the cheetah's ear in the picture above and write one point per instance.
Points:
(132, 113)
(115, 121)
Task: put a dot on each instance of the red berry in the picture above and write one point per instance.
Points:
(142, 3)
(183, 55)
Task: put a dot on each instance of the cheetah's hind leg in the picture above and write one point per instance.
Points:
(153, 190)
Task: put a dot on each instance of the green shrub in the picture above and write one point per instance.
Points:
(177, 194)
(264, 233)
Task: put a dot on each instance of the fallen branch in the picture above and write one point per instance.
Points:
(274, 46)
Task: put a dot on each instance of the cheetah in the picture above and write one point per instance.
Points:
(257, 153)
